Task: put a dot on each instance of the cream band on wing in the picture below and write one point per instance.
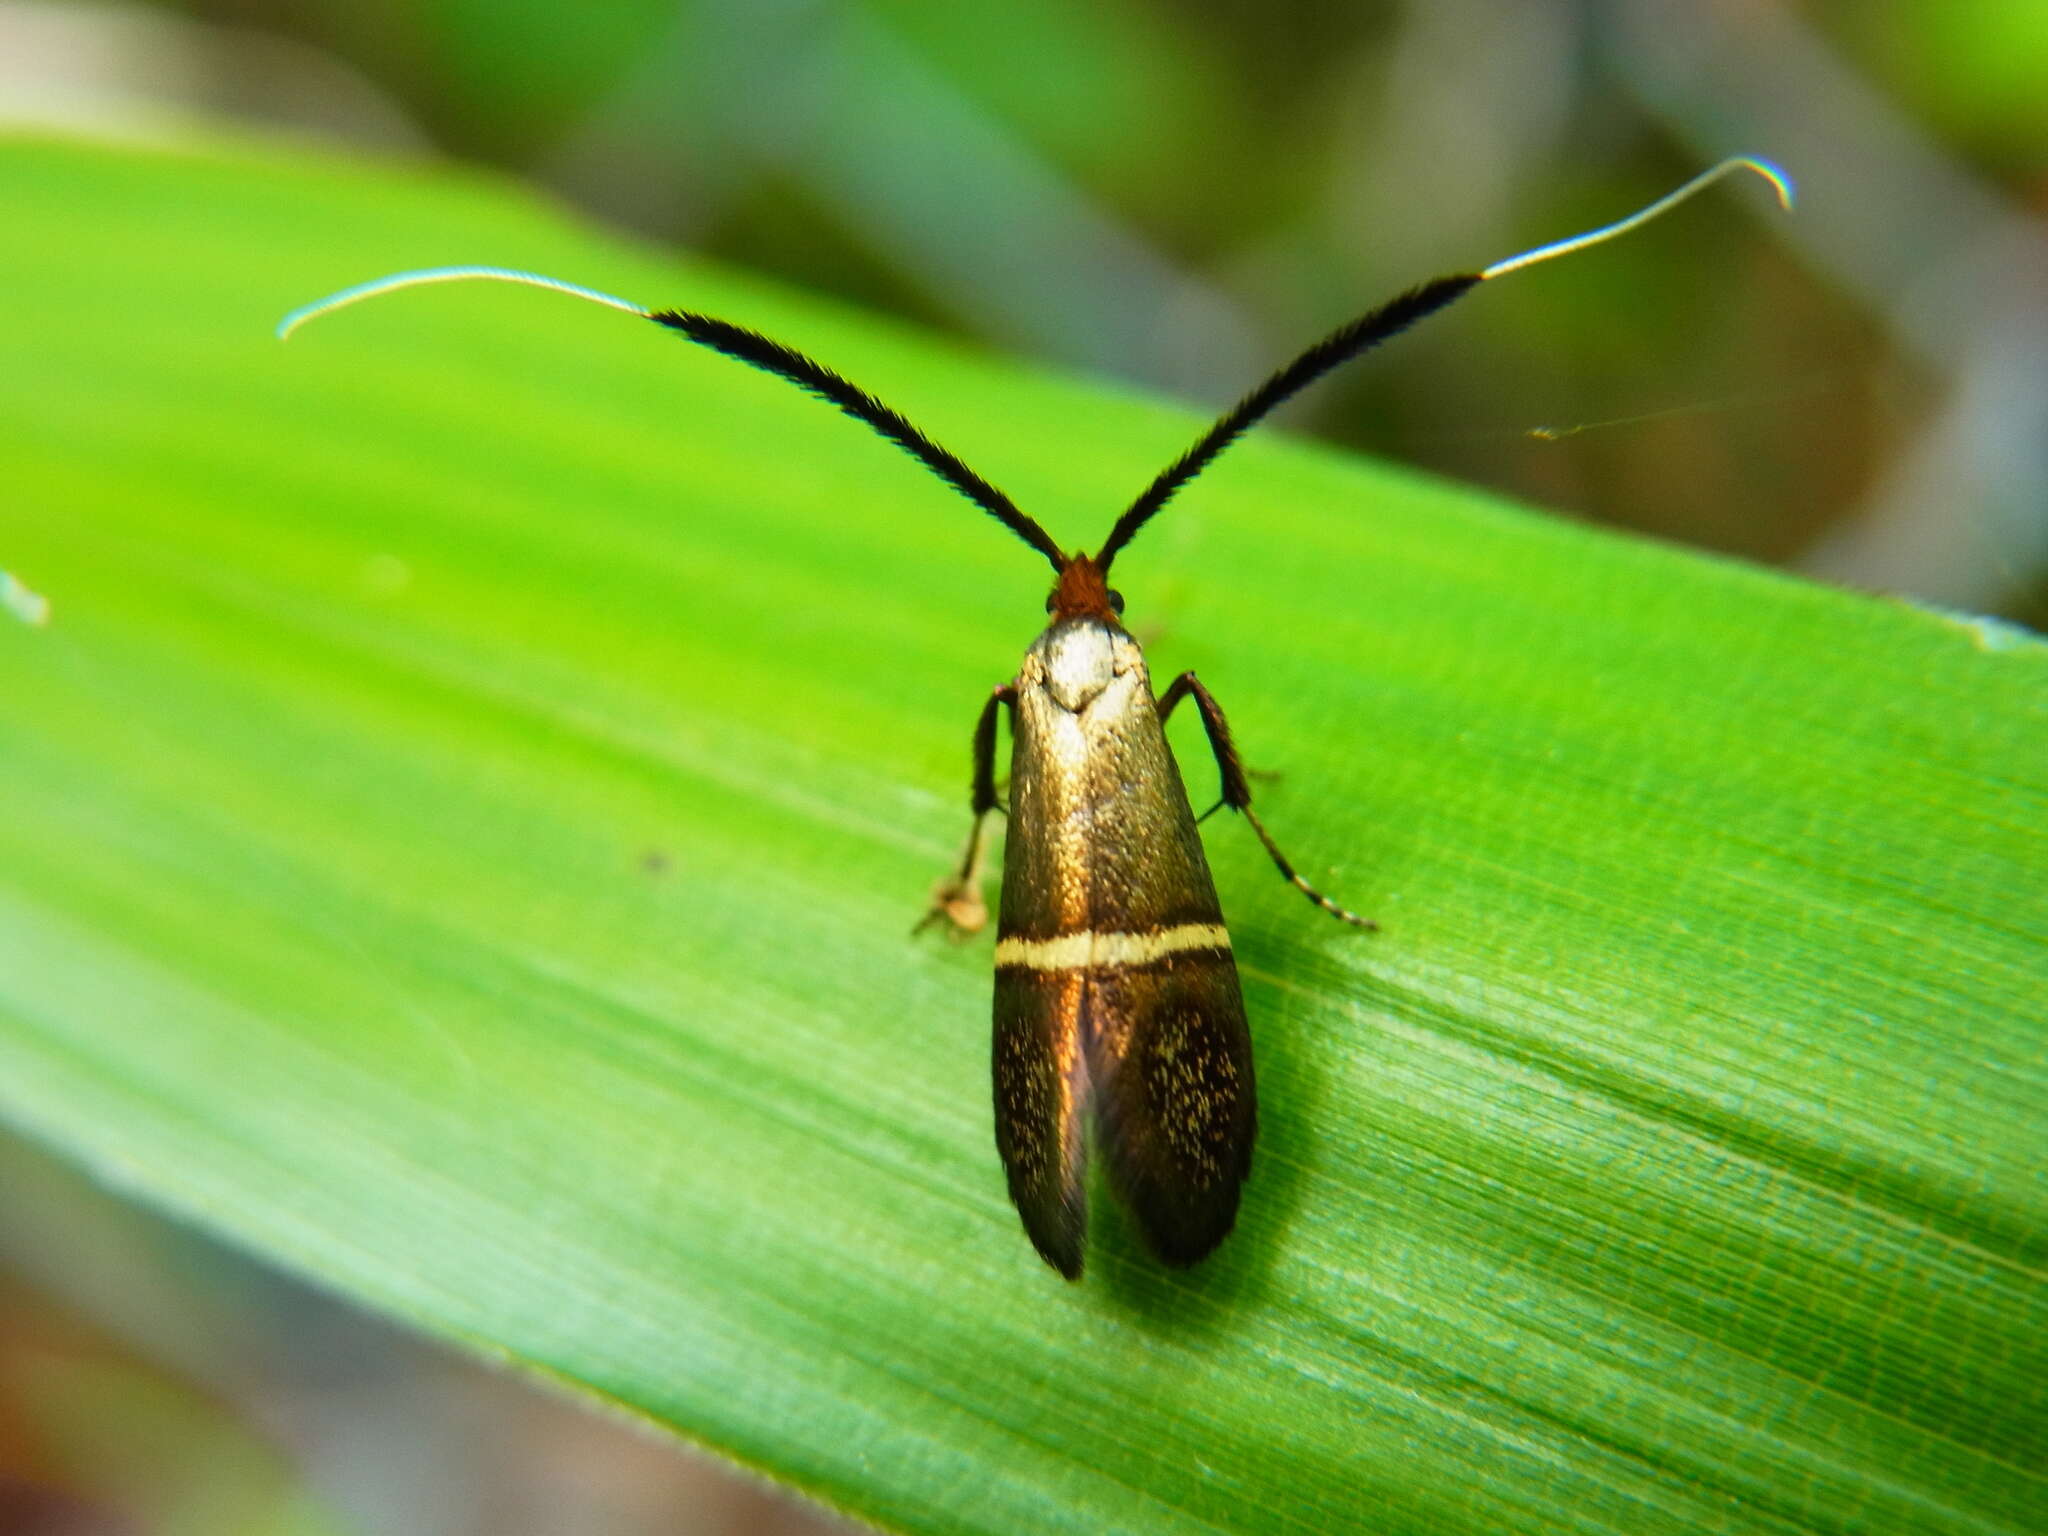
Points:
(1076, 951)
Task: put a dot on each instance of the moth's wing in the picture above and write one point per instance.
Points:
(1041, 1083)
(1170, 1063)
(1170, 1059)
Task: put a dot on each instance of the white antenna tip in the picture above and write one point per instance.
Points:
(1779, 178)
(378, 286)
(1780, 184)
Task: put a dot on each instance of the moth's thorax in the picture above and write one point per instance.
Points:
(1078, 659)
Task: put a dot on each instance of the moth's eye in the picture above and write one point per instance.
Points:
(1116, 600)
(1050, 597)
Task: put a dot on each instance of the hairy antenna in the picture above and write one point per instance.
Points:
(1390, 319)
(744, 346)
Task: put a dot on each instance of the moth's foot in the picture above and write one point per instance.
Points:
(958, 903)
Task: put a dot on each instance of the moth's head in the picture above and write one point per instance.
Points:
(1082, 592)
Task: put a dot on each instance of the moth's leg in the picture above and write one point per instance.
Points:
(1237, 792)
(957, 897)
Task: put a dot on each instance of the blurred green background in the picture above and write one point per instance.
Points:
(1174, 193)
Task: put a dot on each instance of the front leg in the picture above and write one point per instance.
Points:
(957, 897)
(1237, 793)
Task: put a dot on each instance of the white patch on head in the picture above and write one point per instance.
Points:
(1080, 662)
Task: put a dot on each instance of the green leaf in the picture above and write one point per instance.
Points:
(466, 810)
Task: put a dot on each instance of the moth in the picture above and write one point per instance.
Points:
(1119, 1019)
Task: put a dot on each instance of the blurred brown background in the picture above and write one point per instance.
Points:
(1178, 194)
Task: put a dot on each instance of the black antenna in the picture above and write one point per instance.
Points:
(772, 356)
(744, 346)
(1340, 346)
(1390, 319)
